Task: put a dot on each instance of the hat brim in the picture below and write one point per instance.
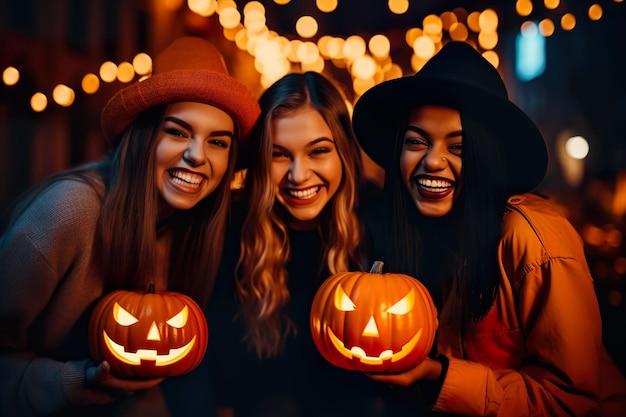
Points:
(382, 109)
(209, 87)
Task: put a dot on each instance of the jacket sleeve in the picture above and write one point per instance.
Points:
(564, 368)
(563, 340)
(35, 254)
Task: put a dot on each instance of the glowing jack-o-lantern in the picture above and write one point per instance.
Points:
(373, 322)
(148, 334)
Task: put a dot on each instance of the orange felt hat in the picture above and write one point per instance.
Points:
(189, 69)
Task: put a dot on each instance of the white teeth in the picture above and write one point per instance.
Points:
(433, 183)
(186, 178)
(304, 194)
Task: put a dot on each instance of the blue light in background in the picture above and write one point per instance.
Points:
(530, 58)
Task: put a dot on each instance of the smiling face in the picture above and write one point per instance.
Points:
(192, 153)
(431, 158)
(306, 168)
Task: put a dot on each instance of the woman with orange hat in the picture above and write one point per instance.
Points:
(152, 211)
(519, 325)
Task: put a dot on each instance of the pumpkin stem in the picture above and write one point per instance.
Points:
(151, 289)
(377, 267)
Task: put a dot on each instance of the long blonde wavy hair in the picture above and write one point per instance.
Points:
(265, 249)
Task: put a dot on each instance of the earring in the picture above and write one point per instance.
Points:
(444, 159)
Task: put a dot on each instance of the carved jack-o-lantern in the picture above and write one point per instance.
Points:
(148, 334)
(373, 322)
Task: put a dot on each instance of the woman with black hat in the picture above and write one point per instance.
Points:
(152, 211)
(519, 327)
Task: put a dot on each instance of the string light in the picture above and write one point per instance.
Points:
(373, 54)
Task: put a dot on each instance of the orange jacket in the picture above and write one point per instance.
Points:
(539, 351)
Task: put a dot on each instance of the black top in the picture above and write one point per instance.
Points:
(300, 382)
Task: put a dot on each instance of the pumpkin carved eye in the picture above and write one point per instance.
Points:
(342, 301)
(180, 319)
(404, 305)
(123, 317)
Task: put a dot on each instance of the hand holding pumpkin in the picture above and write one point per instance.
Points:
(427, 369)
(100, 379)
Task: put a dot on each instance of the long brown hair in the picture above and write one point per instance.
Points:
(128, 226)
(265, 250)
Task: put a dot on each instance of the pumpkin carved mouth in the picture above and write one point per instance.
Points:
(360, 354)
(131, 358)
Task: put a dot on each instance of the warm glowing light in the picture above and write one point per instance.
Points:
(63, 95)
(292, 54)
(335, 48)
(577, 147)
(459, 32)
(254, 20)
(90, 83)
(230, 17)
(142, 63)
(316, 66)
(364, 67)
(135, 358)
(108, 72)
(254, 5)
(241, 39)
(546, 27)
(568, 21)
(492, 57)
(551, 4)
(618, 207)
(281, 2)
(447, 19)
(306, 26)
(424, 47)
(326, 6)
(412, 34)
(417, 63)
(432, 24)
(488, 20)
(595, 12)
(172, 4)
(322, 45)
(354, 48)
(379, 46)
(307, 52)
(524, 7)
(203, 8)
(360, 85)
(394, 71)
(225, 4)
(398, 6)
(488, 40)
(10, 76)
(473, 22)
(125, 72)
(38, 102)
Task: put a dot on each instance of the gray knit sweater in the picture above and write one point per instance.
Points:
(47, 284)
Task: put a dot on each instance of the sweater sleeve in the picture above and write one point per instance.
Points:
(38, 253)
